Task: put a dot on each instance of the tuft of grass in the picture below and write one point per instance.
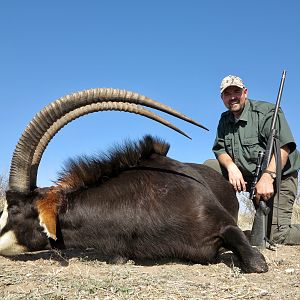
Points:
(3, 187)
(245, 220)
(296, 214)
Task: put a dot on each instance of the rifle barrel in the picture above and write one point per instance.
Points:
(273, 131)
(278, 98)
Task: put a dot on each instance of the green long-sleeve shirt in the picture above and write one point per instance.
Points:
(242, 139)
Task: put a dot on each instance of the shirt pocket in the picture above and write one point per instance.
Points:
(228, 146)
(251, 147)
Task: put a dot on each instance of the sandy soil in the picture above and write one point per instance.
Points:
(80, 275)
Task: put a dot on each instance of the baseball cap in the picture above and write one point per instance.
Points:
(231, 80)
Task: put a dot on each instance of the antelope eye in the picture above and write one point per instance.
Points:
(14, 210)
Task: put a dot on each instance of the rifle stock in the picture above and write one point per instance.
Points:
(259, 228)
(258, 236)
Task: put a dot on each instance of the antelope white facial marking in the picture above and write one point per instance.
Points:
(9, 245)
(8, 241)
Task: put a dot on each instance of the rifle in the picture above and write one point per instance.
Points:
(259, 228)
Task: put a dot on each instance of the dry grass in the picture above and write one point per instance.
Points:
(3, 185)
(67, 275)
(245, 220)
(296, 214)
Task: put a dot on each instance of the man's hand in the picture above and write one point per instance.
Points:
(264, 188)
(236, 178)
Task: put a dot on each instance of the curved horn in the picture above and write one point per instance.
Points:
(81, 111)
(19, 179)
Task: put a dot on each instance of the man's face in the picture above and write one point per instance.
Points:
(234, 99)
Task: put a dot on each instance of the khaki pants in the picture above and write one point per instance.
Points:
(284, 232)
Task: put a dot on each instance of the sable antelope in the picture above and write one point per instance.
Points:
(134, 203)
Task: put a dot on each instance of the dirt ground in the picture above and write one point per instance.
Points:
(80, 275)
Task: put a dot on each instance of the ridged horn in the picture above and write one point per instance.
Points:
(81, 111)
(20, 171)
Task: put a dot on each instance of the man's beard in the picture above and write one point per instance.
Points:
(235, 106)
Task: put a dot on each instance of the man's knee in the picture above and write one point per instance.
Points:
(214, 164)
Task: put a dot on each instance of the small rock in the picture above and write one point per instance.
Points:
(263, 293)
(290, 271)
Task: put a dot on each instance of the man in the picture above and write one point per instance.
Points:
(242, 132)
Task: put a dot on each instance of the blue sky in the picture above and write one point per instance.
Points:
(175, 52)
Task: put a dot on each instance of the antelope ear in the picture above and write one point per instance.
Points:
(47, 209)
